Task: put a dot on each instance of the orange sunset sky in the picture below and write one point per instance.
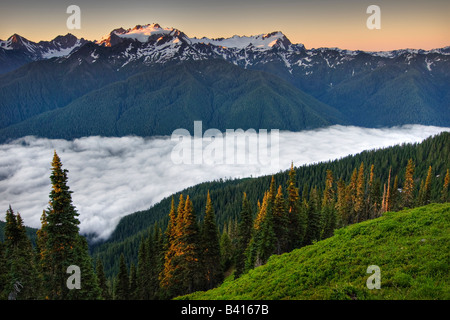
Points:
(314, 23)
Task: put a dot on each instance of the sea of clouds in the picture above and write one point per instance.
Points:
(113, 177)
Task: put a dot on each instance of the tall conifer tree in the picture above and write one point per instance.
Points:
(426, 192)
(408, 187)
(122, 285)
(297, 217)
(280, 222)
(22, 271)
(170, 277)
(189, 249)
(359, 207)
(328, 207)
(244, 234)
(63, 245)
(445, 196)
(210, 247)
(102, 281)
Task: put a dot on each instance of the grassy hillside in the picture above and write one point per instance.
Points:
(411, 247)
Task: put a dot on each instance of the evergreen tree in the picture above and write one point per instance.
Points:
(280, 222)
(132, 293)
(89, 283)
(328, 208)
(61, 245)
(350, 200)
(170, 231)
(264, 240)
(61, 230)
(408, 187)
(315, 223)
(102, 281)
(360, 195)
(4, 283)
(170, 277)
(189, 250)
(155, 254)
(21, 269)
(371, 202)
(386, 203)
(297, 217)
(395, 195)
(143, 272)
(210, 247)
(426, 192)
(445, 197)
(121, 290)
(245, 230)
(226, 251)
(342, 204)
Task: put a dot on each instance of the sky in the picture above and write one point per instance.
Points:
(314, 23)
(113, 177)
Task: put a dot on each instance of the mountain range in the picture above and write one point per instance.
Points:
(149, 80)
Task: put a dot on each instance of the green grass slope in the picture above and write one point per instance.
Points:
(411, 247)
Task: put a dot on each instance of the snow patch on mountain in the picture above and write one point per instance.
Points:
(259, 42)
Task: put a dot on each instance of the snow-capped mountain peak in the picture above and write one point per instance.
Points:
(141, 33)
(151, 43)
(259, 42)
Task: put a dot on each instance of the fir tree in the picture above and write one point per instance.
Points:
(280, 222)
(244, 235)
(426, 192)
(155, 254)
(444, 193)
(350, 200)
(133, 293)
(328, 208)
(386, 203)
(210, 247)
(371, 203)
(360, 195)
(408, 187)
(395, 195)
(314, 216)
(188, 250)
(171, 277)
(21, 269)
(4, 283)
(226, 251)
(60, 243)
(121, 290)
(297, 217)
(170, 231)
(89, 283)
(102, 281)
(61, 229)
(143, 272)
(264, 240)
(342, 204)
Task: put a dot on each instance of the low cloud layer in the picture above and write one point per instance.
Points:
(113, 177)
